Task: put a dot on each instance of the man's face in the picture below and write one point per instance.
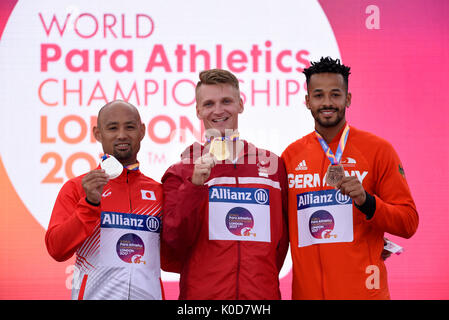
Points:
(327, 99)
(218, 106)
(120, 132)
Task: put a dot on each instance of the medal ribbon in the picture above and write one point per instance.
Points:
(233, 137)
(131, 167)
(334, 159)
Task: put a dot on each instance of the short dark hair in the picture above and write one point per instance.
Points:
(327, 64)
(217, 76)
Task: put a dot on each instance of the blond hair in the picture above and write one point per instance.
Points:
(217, 76)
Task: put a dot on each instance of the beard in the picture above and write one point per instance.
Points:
(332, 122)
(123, 156)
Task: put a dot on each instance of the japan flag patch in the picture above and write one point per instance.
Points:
(148, 195)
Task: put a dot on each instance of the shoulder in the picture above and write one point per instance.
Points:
(252, 149)
(148, 180)
(72, 189)
(262, 157)
(298, 145)
(184, 167)
(376, 150)
(267, 162)
(149, 188)
(75, 182)
(365, 139)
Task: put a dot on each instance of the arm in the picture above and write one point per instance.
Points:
(395, 209)
(391, 207)
(284, 241)
(183, 205)
(72, 221)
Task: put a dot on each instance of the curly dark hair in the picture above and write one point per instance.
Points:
(327, 64)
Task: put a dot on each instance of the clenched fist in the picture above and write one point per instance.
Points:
(202, 169)
(352, 187)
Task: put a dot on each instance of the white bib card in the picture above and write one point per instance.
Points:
(324, 217)
(241, 214)
(129, 239)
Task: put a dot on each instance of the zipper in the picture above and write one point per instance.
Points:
(130, 211)
(323, 172)
(319, 246)
(237, 287)
(129, 193)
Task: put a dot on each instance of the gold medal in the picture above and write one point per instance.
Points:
(335, 173)
(219, 149)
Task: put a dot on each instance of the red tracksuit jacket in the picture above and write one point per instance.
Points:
(117, 244)
(230, 235)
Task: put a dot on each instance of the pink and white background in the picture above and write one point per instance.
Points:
(61, 61)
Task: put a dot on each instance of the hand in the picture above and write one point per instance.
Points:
(385, 253)
(93, 184)
(352, 187)
(202, 169)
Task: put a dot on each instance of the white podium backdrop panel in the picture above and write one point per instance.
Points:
(65, 60)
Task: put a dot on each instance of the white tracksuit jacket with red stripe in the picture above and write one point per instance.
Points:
(117, 243)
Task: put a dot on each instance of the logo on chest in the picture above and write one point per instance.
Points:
(248, 195)
(148, 195)
(120, 220)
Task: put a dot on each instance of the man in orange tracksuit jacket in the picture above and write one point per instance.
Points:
(336, 232)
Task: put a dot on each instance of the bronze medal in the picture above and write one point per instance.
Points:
(335, 173)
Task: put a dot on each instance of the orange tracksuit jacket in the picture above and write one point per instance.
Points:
(345, 270)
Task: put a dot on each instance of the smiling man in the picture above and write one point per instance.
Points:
(111, 223)
(346, 189)
(225, 204)
(120, 131)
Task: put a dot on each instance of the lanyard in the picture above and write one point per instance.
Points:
(334, 159)
(233, 137)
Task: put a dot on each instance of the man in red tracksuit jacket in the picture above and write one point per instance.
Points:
(225, 205)
(113, 225)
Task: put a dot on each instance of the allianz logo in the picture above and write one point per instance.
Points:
(220, 193)
(341, 198)
(132, 221)
(110, 218)
(323, 197)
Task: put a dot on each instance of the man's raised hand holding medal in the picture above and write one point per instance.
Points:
(352, 187)
(202, 169)
(335, 175)
(218, 148)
